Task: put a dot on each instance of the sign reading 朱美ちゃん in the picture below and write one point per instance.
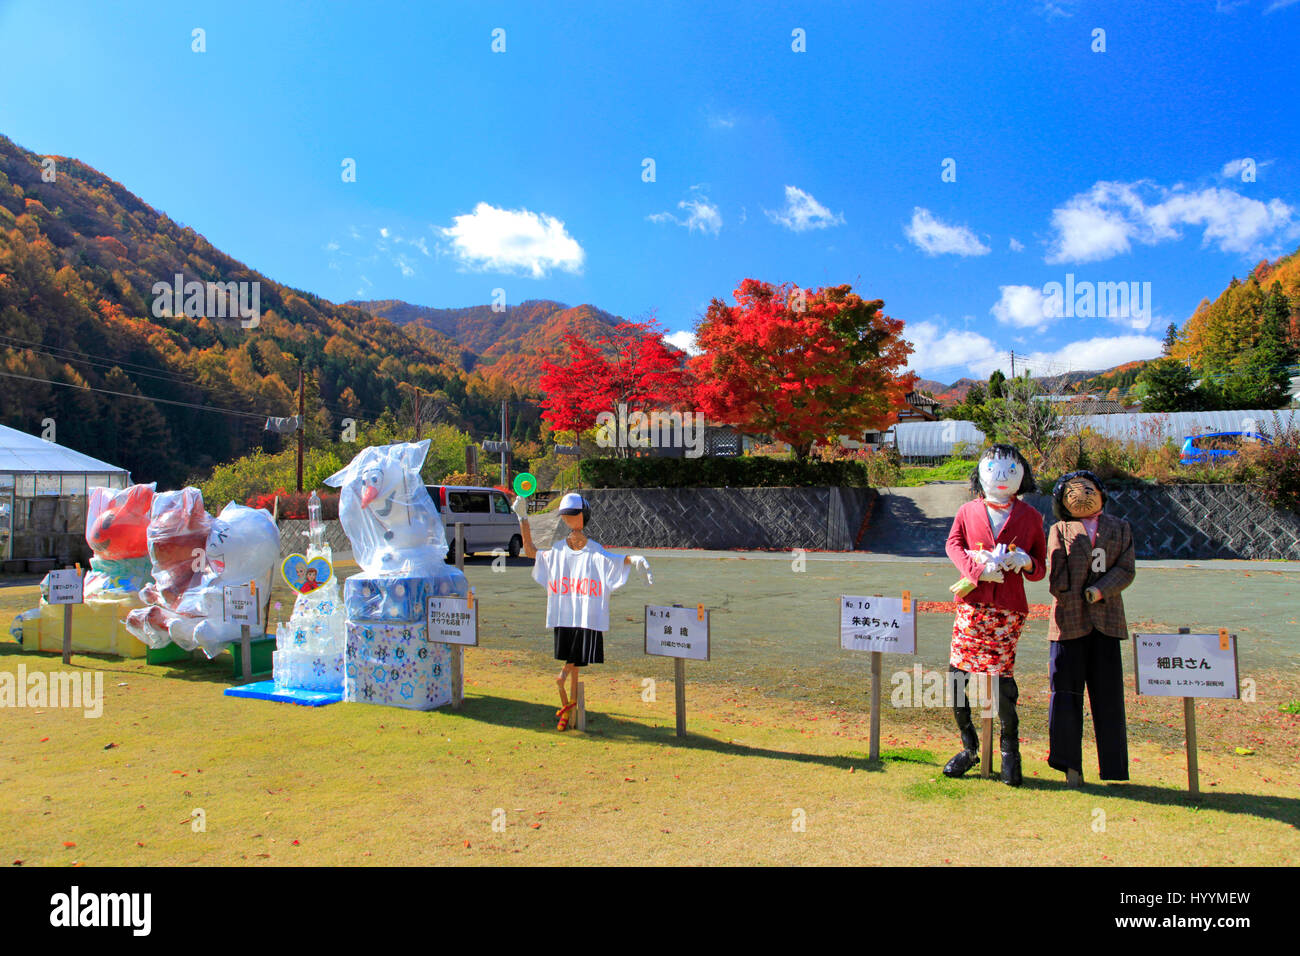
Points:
(1186, 665)
(878, 624)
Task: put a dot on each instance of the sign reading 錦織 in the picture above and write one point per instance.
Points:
(877, 623)
(677, 632)
(1186, 665)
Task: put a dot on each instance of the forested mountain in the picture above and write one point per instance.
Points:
(81, 331)
(510, 343)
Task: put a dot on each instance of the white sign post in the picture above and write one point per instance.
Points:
(880, 625)
(65, 587)
(239, 605)
(1187, 665)
(681, 633)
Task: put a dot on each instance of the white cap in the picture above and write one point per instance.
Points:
(572, 504)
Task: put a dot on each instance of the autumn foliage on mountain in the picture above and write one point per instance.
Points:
(627, 365)
(800, 365)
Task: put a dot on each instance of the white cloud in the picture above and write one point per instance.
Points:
(513, 240)
(802, 212)
(1017, 246)
(722, 120)
(939, 351)
(1278, 5)
(948, 355)
(700, 214)
(384, 232)
(684, 341)
(935, 237)
(1021, 306)
(1107, 219)
(1098, 353)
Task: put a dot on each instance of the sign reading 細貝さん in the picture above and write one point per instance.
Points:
(65, 586)
(453, 620)
(239, 605)
(1186, 665)
(878, 624)
(677, 632)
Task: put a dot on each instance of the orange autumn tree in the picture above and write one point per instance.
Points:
(800, 364)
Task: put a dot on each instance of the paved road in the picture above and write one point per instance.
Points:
(915, 521)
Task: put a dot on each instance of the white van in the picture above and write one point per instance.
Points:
(485, 514)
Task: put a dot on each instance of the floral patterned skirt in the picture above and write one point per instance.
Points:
(984, 639)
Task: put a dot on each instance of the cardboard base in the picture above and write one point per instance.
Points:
(266, 690)
(97, 628)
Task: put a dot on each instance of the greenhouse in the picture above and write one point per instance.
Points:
(935, 440)
(43, 488)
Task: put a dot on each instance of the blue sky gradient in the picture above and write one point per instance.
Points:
(523, 169)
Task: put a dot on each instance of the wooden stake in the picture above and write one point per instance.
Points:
(581, 722)
(67, 633)
(986, 694)
(876, 658)
(458, 652)
(679, 691)
(246, 652)
(1189, 724)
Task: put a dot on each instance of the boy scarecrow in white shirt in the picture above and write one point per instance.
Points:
(578, 575)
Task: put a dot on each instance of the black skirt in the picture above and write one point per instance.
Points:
(580, 646)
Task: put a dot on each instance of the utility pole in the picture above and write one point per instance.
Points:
(301, 422)
(1013, 363)
(416, 392)
(503, 444)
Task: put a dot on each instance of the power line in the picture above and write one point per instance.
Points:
(147, 398)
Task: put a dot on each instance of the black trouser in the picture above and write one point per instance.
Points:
(1092, 661)
(1008, 694)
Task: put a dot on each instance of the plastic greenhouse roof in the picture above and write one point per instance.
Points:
(26, 454)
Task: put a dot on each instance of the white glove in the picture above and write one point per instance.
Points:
(520, 507)
(1015, 561)
(641, 564)
(991, 571)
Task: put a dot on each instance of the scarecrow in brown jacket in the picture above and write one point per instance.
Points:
(1090, 561)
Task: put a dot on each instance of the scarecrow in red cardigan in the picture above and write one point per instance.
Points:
(996, 542)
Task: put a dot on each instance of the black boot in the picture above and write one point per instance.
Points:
(1008, 694)
(968, 756)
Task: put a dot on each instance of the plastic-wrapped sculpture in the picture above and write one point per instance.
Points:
(116, 526)
(243, 545)
(398, 540)
(177, 534)
(309, 646)
(119, 568)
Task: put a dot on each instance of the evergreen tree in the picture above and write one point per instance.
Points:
(1171, 336)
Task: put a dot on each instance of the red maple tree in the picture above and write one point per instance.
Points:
(629, 364)
(800, 365)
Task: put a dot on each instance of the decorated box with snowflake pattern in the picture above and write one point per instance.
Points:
(395, 664)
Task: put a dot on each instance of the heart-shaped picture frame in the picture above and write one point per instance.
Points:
(304, 575)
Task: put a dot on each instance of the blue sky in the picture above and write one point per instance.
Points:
(1169, 158)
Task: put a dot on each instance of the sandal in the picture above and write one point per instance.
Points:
(563, 714)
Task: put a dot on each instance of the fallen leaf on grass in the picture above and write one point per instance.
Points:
(68, 844)
(109, 746)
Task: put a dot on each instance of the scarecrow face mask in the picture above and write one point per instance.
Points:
(1000, 478)
(1082, 498)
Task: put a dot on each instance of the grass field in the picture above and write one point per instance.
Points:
(773, 770)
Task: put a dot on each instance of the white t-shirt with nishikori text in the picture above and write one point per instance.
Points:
(578, 584)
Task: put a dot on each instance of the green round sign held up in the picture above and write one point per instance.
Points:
(525, 484)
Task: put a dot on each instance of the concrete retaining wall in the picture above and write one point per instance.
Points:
(818, 518)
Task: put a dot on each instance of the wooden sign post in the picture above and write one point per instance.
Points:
(880, 625)
(1187, 665)
(457, 652)
(65, 587)
(240, 605)
(986, 724)
(681, 633)
(454, 621)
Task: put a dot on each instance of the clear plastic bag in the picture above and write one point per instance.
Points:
(177, 535)
(117, 523)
